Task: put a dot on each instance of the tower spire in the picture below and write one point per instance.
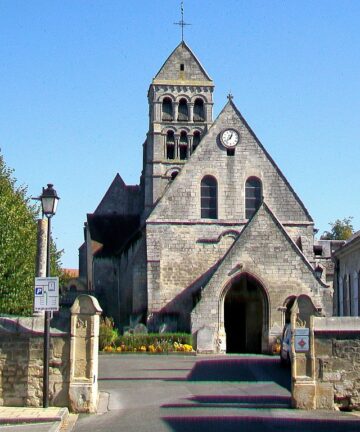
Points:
(182, 23)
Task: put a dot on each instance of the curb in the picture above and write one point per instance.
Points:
(60, 417)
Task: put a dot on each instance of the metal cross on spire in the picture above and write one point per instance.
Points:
(182, 23)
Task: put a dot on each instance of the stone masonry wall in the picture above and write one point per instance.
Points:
(337, 367)
(21, 359)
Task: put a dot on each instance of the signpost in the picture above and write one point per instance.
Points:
(302, 339)
(46, 294)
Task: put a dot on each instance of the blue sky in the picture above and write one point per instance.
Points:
(74, 76)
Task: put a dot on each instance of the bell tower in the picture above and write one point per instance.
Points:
(180, 113)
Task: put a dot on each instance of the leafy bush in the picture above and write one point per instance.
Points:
(107, 333)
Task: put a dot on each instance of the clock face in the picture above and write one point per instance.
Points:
(229, 138)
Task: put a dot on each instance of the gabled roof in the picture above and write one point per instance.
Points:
(120, 199)
(170, 205)
(193, 73)
(246, 235)
(269, 157)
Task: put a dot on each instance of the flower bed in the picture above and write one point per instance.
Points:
(151, 343)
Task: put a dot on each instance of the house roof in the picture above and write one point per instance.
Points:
(113, 232)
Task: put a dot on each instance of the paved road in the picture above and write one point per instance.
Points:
(203, 393)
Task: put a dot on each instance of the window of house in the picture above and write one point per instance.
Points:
(170, 145)
(183, 111)
(167, 110)
(199, 115)
(253, 196)
(209, 197)
(196, 139)
(183, 145)
(182, 67)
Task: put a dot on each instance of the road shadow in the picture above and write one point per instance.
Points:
(233, 401)
(258, 424)
(248, 369)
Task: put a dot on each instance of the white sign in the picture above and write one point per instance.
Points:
(46, 294)
(302, 331)
(301, 343)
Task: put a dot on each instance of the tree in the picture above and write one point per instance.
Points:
(340, 230)
(18, 231)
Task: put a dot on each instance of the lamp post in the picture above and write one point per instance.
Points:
(49, 201)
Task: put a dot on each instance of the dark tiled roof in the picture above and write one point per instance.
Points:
(112, 231)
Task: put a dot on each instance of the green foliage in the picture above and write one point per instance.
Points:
(164, 340)
(18, 232)
(340, 230)
(107, 333)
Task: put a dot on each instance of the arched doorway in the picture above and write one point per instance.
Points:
(245, 315)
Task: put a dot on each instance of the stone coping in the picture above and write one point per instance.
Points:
(17, 415)
(26, 325)
(336, 324)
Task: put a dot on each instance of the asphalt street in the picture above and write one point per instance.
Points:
(175, 393)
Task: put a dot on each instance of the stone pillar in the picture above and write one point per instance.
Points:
(176, 111)
(177, 149)
(84, 346)
(303, 383)
(41, 247)
(41, 253)
(208, 112)
(191, 111)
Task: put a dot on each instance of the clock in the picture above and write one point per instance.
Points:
(229, 138)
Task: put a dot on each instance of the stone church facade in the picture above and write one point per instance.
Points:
(214, 240)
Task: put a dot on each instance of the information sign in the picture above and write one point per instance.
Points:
(46, 294)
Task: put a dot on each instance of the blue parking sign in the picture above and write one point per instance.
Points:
(39, 291)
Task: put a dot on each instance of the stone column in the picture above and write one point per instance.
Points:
(176, 111)
(41, 253)
(303, 383)
(157, 112)
(191, 111)
(84, 345)
(176, 149)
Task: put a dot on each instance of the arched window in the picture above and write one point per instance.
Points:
(183, 145)
(170, 145)
(199, 110)
(196, 139)
(183, 112)
(167, 110)
(252, 196)
(209, 197)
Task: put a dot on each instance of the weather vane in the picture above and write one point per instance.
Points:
(182, 23)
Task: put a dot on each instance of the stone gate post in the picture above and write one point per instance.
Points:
(84, 346)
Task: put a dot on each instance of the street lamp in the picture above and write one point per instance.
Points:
(49, 201)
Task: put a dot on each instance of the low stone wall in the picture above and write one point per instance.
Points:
(21, 363)
(73, 364)
(337, 362)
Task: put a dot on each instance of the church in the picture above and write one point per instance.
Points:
(214, 240)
